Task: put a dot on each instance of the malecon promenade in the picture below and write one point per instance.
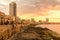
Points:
(11, 24)
(8, 27)
(7, 31)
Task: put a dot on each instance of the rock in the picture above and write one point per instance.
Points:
(35, 33)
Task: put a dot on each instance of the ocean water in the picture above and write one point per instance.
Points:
(53, 27)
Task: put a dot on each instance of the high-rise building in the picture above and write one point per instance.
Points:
(47, 19)
(33, 20)
(13, 9)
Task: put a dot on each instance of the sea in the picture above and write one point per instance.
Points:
(53, 27)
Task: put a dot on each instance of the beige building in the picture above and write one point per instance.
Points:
(12, 9)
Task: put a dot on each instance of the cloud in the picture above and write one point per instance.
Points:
(35, 6)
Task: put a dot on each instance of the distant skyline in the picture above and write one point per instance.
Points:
(38, 9)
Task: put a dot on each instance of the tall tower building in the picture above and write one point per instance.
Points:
(47, 19)
(13, 9)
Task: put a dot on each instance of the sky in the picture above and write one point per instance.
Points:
(38, 9)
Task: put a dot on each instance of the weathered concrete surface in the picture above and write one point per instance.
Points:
(6, 31)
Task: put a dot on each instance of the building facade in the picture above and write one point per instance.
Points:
(13, 9)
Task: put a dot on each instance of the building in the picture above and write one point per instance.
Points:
(2, 15)
(40, 21)
(33, 21)
(47, 19)
(13, 9)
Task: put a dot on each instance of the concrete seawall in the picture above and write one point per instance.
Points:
(6, 31)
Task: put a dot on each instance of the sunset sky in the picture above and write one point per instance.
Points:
(38, 9)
